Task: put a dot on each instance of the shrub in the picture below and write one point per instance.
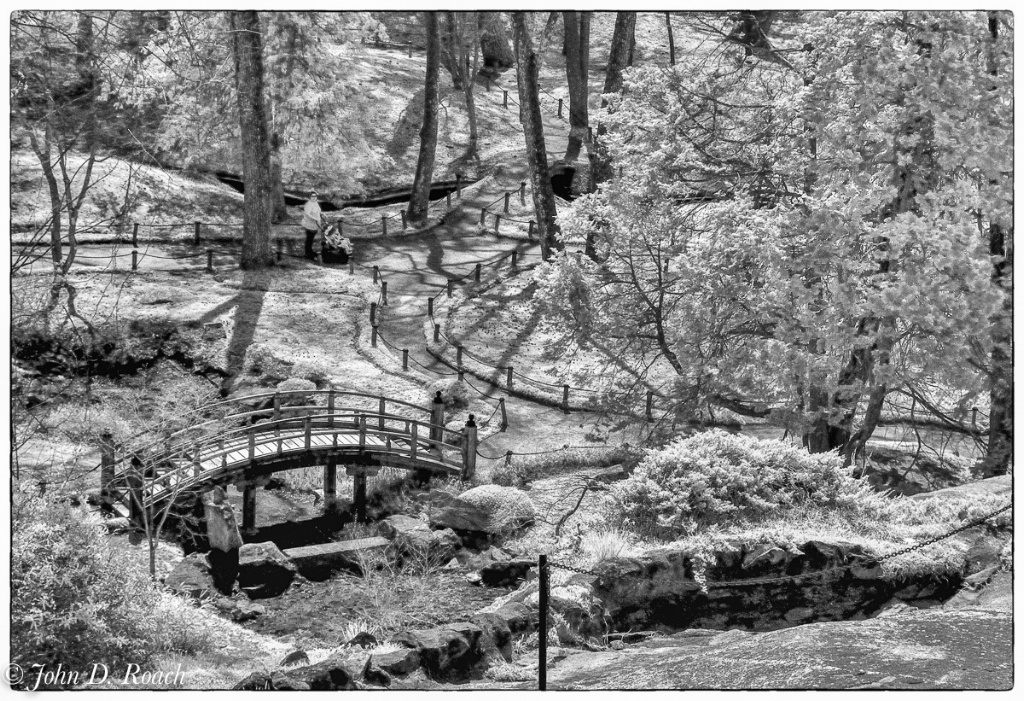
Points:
(76, 602)
(454, 393)
(715, 476)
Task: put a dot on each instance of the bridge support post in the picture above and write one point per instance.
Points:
(107, 471)
(469, 450)
(359, 485)
(331, 485)
(249, 509)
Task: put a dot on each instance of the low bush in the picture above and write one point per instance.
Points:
(714, 476)
(523, 469)
(454, 393)
(77, 602)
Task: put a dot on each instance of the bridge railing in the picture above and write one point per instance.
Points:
(281, 400)
(421, 442)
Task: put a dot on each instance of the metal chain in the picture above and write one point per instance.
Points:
(820, 573)
(966, 526)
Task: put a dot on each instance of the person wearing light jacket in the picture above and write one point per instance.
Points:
(312, 221)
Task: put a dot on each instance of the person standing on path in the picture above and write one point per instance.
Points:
(312, 221)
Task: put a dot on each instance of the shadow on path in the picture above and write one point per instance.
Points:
(248, 304)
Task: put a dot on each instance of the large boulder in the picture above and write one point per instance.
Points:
(448, 653)
(911, 649)
(660, 588)
(489, 509)
(414, 538)
(192, 577)
(263, 570)
(505, 574)
(333, 674)
(221, 526)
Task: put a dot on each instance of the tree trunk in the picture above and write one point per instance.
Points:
(601, 163)
(494, 42)
(545, 36)
(420, 200)
(1000, 418)
(618, 55)
(468, 42)
(533, 131)
(451, 50)
(257, 207)
(1000, 428)
(280, 208)
(577, 60)
(671, 40)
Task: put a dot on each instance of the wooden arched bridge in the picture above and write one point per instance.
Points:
(277, 431)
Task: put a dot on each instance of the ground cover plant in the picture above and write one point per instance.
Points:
(77, 602)
(704, 492)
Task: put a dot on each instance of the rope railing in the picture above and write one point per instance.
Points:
(494, 370)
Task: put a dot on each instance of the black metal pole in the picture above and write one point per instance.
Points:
(542, 633)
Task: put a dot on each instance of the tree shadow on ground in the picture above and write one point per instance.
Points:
(407, 130)
(248, 304)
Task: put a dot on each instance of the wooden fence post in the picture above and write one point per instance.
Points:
(458, 186)
(469, 450)
(483, 214)
(437, 333)
(508, 196)
(384, 293)
(505, 100)
(373, 337)
(559, 108)
(458, 356)
(529, 234)
(135, 260)
(209, 260)
(373, 312)
(522, 192)
(198, 238)
(476, 272)
(508, 378)
(497, 222)
(403, 220)
(437, 420)
(405, 358)
(565, 398)
(376, 274)
(650, 405)
(381, 411)
(450, 286)
(448, 199)
(280, 249)
(384, 223)
(504, 416)
(430, 306)
(351, 266)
